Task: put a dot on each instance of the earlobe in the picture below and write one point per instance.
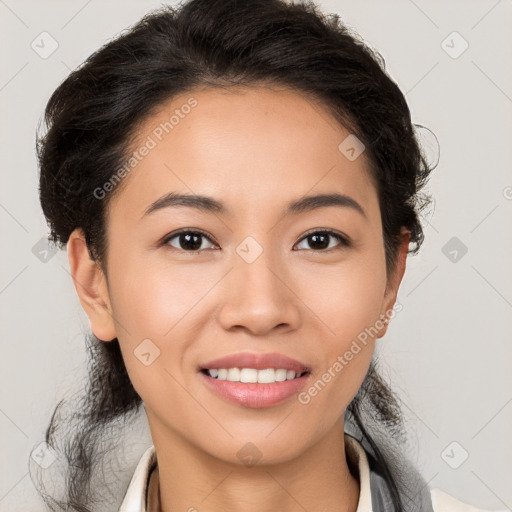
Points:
(394, 280)
(91, 287)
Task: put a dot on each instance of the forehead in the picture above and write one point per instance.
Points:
(252, 147)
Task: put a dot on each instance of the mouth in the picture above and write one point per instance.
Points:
(254, 388)
(253, 375)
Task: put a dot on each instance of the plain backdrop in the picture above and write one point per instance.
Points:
(448, 354)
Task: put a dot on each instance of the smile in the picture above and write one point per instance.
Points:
(252, 375)
(243, 386)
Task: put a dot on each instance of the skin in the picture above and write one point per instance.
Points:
(255, 149)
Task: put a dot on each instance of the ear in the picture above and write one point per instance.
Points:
(91, 287)
(395, 279)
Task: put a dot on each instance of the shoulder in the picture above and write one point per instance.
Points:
(443, 502)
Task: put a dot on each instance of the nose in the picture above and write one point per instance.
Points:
(258, 297)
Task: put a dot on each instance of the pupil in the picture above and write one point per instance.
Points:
(315, 237)
(185, 241)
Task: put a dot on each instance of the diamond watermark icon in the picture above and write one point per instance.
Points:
(454, 455)
(249, 454)
(44, 455)
(249, 249)
(454, 249)
(44, 45)
(43, 251)
(146, 352)
(351, 147)
(454, 45)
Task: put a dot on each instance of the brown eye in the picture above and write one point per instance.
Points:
(190, 241)
(320, 240)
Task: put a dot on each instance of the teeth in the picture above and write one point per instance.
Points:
(251, 375)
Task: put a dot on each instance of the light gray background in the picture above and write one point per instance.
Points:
(448, 353)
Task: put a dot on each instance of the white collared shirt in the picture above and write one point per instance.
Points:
(135, 499)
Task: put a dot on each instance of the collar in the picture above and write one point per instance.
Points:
(136, 494)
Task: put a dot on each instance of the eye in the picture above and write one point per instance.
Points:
(191, 240)
(187, 240)
(319, 240)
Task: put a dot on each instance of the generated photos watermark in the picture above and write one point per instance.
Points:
(151, 142)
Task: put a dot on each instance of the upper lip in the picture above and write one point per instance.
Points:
(256, 361)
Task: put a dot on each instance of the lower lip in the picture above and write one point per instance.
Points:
(256, 395)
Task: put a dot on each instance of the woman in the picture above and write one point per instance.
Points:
(238, 185)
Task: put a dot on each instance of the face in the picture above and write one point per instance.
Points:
(254, 276)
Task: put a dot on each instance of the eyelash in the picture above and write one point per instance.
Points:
(344, 241)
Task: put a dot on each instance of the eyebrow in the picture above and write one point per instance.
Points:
(211, 205)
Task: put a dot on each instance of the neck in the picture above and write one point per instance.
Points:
(319, 479)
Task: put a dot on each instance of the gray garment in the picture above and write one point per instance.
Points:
(416, 498)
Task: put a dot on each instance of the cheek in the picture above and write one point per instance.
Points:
(154, 300)
(330, 392)
(150, 297)
(349, 309)
(346, 297)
